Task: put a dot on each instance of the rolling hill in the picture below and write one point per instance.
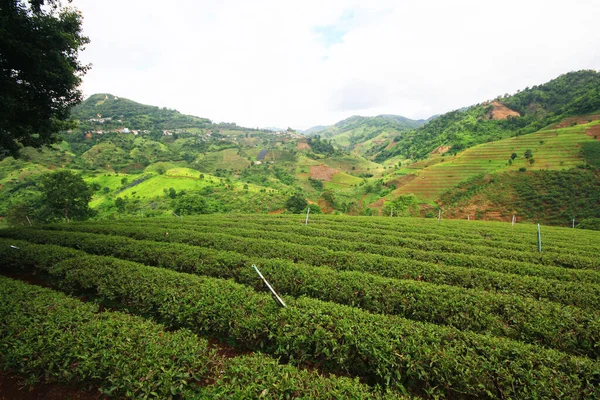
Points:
(151, 160)
(366, 136)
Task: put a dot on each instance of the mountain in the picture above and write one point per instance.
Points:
(366, 136)
(314, 129)
(110, 110)
(571, 94)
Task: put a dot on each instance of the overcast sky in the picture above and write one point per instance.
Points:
(303, 63)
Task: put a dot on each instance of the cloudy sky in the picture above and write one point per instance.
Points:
(303, 63)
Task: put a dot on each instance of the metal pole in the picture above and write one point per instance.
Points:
(278, 299)
(307, 212)
(539, 239)
(573, 223)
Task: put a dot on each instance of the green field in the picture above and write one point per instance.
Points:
(552, 149)
(403, 305)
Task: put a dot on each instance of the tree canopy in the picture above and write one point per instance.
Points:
(39, 71)
(66, 195)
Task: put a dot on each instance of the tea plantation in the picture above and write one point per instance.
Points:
(375, 308)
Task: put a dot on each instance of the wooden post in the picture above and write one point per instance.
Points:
(573, 223)
(439, 216)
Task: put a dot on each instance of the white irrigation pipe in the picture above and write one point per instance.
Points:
(278, 299)
(539, 239)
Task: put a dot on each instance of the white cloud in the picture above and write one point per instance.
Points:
(282, 63)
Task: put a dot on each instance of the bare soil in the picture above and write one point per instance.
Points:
(594, 131)
(500, 111)
(576, 121)
(440, 150)
(303, 146)
(322, 172)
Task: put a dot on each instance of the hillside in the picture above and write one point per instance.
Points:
(366, 136)
(154, 161)
(552, 149)
(571, 94)
(553, 197)
(107, 110)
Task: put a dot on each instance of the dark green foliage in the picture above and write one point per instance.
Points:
(320, 146)
(398, 267)
(296, 204)
(528, 154)
(590, 223)
(591, 153)
(190, 204)
(566, 328)
(259, 376)
(339, 338)
(66, 195)
(59, 339)
(317, 184)
(39, 72)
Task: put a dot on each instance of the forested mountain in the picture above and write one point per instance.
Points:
(366, 136)
(107, 109)
(574, 93)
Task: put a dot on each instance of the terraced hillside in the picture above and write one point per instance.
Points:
(409, 306)
(552, 149)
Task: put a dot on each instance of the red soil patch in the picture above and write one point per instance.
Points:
(326, 208)
(322, 172)
(500, 111)
(303, 146)
(440, 150)
(377, 204)
(576, 121)
(280, 211)
(594, 131)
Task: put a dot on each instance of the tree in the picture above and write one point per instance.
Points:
(39, 71)
(66, 195)
(513, 156)
(120, 204)
(296, 204)
(528, 153)
(193, 204)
